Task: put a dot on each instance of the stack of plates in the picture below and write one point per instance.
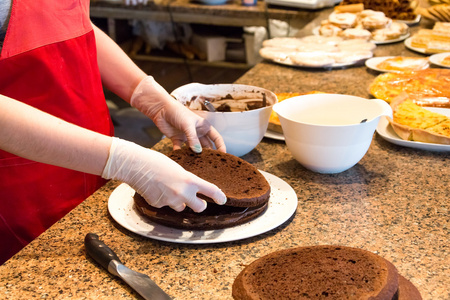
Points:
(310, 4)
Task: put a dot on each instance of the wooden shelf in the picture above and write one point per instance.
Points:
(232, 14)
(160, 58)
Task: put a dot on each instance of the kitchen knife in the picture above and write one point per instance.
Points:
(141, 283)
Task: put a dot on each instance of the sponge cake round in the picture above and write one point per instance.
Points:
(318, 272)
(247, 192)
(407, 290)
(241, 182)
(213, 217)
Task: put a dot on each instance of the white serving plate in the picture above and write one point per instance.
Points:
(410, 22)
(408, 45)
(274, 135)
(372, 63)
(282, 205)
(385, 130)
(399, 39)
(437, 58)
(315, 31)
(288, 62)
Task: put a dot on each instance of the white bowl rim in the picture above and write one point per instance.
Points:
(225, 85)
(324, 125)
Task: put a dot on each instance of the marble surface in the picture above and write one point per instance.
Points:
(394, 202)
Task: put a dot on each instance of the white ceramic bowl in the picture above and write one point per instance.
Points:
(241, 131)
(326, 133)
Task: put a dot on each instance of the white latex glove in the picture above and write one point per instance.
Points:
(135, 2)
(157, 178)
(173, 119)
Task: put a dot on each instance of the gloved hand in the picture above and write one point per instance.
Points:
(157, 178)
(135, 2)
(173, 119)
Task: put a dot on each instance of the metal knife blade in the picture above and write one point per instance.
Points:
(141, 283)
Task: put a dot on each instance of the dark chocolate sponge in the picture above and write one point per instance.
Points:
(407, 290)
(318, 272)
(213, 217)
(247, 192)
(241, 182)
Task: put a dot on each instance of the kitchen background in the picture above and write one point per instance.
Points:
(132, 125)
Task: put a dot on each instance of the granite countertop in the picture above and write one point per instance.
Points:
(394, 202)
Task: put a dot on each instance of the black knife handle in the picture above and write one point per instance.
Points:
(99, 251)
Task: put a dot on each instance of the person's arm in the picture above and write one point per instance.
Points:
(33, 134)
(28, 132)
(119, 73)
(124, 78)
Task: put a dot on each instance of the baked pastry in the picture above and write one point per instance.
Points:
(370, 13)
(351, 8)
(429, 87)
(426, 14)
(274, 121)
(241, 182)
(438, 13)
(436, 40)
(438, 46)
(421, 38)
(414, 123)
(277, 54)
(404, 63)
(342, 20)
(402, 27)
(316, 50)
(322, 272)
(283, 42)
(398, 10)
(347, 57)
(385, 34)
(312, 59)
(356, 45)
(356, 33)
(317, 39)
(246, 189)
(367, 24)
(441, 30)
(394, 31)
(407, 290)
(446, 61)
(375, 22)
(327, 29)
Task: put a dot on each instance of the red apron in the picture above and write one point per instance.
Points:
(48, 61)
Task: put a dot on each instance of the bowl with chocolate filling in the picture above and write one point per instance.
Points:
(240, 113)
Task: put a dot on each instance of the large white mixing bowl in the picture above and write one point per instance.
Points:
(329, 133)
(242, 131)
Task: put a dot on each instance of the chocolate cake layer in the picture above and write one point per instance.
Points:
(241, 182)
(318, 272)
(213, 217)
(407, 290)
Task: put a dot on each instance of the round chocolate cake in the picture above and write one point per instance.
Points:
(322, 272)
(241, 182)
(247, 192)
(213, 217)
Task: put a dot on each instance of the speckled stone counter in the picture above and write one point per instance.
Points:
(394, 202)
